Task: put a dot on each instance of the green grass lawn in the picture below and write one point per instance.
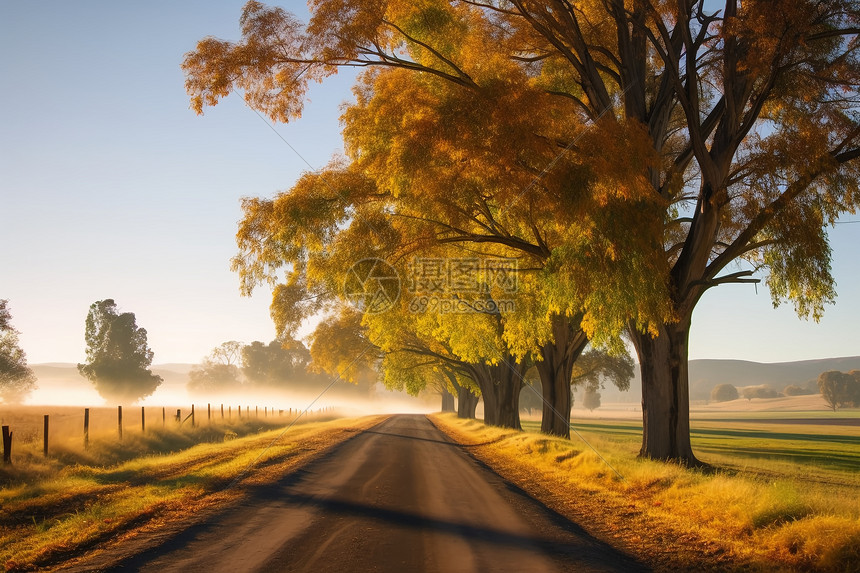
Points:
(823, 453)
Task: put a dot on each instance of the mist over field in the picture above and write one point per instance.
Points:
(60, 384)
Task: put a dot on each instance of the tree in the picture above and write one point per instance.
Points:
(597, 366)
(591, 399)
(855, 387)
(839, 389)
(227, 353)
(16, 378)
(467, 393)
(762, 391)
(714, 110)
(281, 362)
(562, 338)
(118, 356)
(340, 347)
(795, 390)
(724, 393)
(219, 371)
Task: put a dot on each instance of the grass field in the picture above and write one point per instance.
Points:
(803, 444)
(780, 491)
(52, 509)
(159, 433)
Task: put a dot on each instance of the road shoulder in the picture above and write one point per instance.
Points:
(616, 522)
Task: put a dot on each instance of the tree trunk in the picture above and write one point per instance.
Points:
(467, 401)
(491, 400)
(509, 386)
(665, 393)
(500, 388)
(447, 401)
(555, 372)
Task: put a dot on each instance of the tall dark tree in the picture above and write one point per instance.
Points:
(840, 389)
(16, 378)
(118, 355)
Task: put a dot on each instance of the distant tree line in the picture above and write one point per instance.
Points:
(284, 363)
(728, 392)
(118, 361)
(839, 390)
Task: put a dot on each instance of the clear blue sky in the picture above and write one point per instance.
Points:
(110, 187)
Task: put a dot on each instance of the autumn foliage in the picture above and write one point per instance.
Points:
(629, 155)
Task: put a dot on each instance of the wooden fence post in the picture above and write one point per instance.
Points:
(163, 416)
(142, 419)
(192, 415)
(222, 411)
(45, 450)
(119, 421)
(7, 445)
(179, 416)
(230, 412)
(86, 428)
(209, 412)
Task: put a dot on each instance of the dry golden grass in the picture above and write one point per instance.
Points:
(54, 511)
(677, 518)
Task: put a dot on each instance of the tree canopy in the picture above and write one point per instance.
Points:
(840, 389)
(118, 355)
(633, 154)
(724, 393)
(276, 364)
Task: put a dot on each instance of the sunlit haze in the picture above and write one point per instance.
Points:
(113, 188)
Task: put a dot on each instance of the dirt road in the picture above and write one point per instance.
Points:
(399, 497)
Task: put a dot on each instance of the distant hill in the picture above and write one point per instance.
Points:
(67, 373)
(705, 374)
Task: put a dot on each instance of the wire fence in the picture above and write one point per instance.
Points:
(26, 425)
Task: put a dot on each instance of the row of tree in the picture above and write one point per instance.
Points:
(728, 392)
(839, 389)
(628, 156)
(119, 361)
